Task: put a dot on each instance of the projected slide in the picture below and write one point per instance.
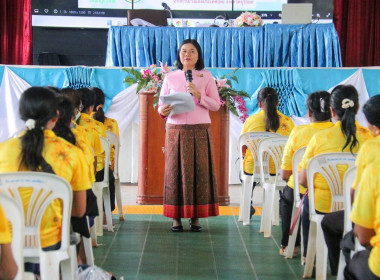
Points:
(263, 5)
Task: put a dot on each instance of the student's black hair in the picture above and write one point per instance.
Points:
(319, 105)
(269, 99)
(87, 97)
(200, 63)
(99, 102)
(54, 89)
(371, 110)
(345, 102)
(73, 95)
(62, 127)
(38, 104)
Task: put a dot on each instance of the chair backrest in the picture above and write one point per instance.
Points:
(348, 179)
(330, 166)
(15, 214)
(251, 140)
(272, 147)
(107, 150)
(43, 188)
(113, 139)
(297, 158)
(156, 17)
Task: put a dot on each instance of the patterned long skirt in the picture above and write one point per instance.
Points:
(190, 182)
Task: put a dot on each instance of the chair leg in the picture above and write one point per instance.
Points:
(107, 208)
(293, 237)
(321, 255)
(311, 248)
(118, 199)
(98, 191)
(276, 209)
(88, 249)
(49, 267)
(94, 238)
(247, 196)
(342, 265)
(266, 216)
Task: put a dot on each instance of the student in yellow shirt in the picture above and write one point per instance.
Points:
(318, 105)
(8, 266)
(268, 119)
(109, 124)
(365, 214)
(332, 223)
(345, 136)
(39, 149)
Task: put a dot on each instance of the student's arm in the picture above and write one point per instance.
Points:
(364, 235)
(302, 177)
(79, 204)
(285, 174)
(8, 266)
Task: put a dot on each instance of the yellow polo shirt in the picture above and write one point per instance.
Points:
(84, 144)
(112, 126)
(366, 211)
(5, 231)
(87, 121)
(66, 160)
(369, 152)
(300, 137)
(330, 140)
(256, 122)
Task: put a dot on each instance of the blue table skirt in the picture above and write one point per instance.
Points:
(273, 45)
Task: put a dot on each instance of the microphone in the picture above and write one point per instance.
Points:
(166, 7)
(189, 76)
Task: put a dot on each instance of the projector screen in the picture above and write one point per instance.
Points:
(104, 13)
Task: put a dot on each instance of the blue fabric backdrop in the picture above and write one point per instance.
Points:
(273, 45)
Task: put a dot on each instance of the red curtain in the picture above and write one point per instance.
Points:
(358, 25)
(15, 32)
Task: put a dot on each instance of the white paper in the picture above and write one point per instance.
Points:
(182, 102)
(141, 22)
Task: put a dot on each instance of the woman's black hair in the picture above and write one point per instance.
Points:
(269, 99)
(371, 110)
(87, 97)
(319, 105)
(73, 95)
(345, 102)
(200, 63)
(62, 127)
(38, 104)
(99, 102)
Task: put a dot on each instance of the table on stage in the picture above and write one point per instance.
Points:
(273, 45)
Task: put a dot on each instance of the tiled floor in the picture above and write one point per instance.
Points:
(143, 247)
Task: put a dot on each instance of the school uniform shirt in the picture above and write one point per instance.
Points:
(368, 153)
(5, 232)
(300, 137)
(330, 140)
(82, 142)
(87, 121)
(256, 122)
(67, 162)
(366, 211)
(112, 126)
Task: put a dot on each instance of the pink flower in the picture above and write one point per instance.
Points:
(153, 66)
(164, 68)
(146, 73)
(222, 83)
(155, 78)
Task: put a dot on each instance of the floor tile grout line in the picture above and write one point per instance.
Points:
(110, 246)
(212, 249)
(143, 248)
(290, 267)
(245, 248)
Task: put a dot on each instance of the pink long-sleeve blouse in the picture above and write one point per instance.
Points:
(176, 82)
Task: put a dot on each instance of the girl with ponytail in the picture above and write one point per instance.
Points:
(318, 105)
(345, 136)
(39, 149)
(268, 119)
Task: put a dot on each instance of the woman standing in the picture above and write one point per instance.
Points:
(190, 183)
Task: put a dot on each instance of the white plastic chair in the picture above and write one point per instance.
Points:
(271, 148)
(114, 140)
(297, 158)
(15, 214)
(326, 165)
(251, 141)
(88, 248)
(102, 192)
(45, 188)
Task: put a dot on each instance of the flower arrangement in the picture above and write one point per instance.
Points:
(233, 99)
(249, 19)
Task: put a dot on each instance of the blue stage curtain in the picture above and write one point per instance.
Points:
(274, 45)
(78, 77)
